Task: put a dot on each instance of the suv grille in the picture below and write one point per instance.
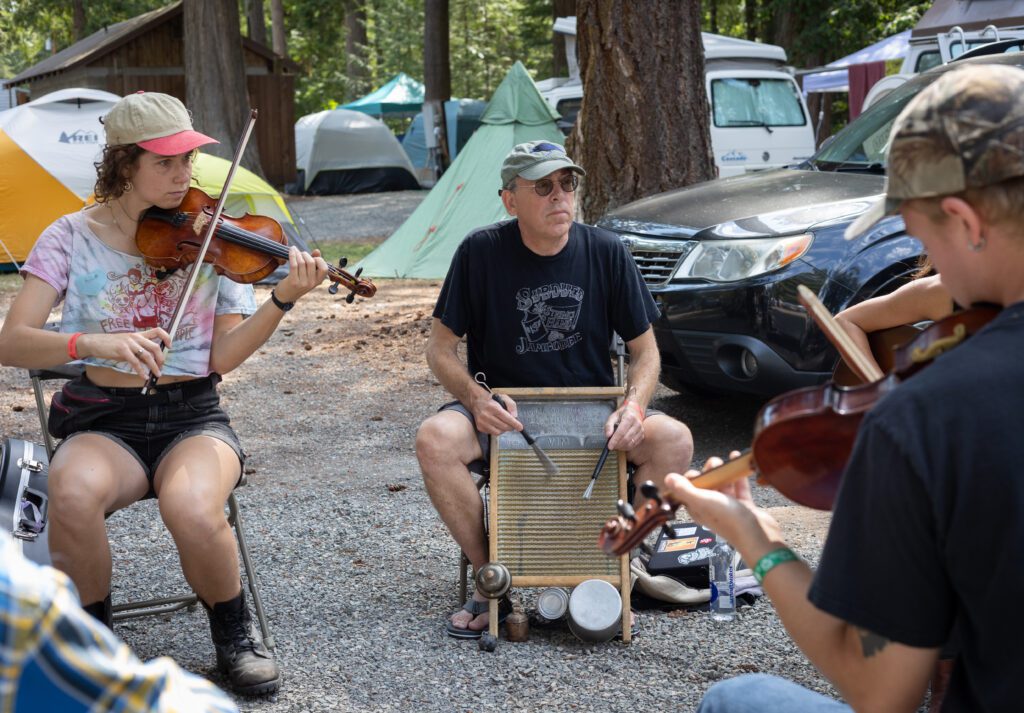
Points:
(657, 259)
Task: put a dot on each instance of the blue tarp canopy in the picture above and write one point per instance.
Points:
(837, 80)
(402, 95)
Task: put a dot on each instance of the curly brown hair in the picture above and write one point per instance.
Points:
(114, 169)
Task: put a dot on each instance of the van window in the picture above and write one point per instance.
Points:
(756, 102)
(568, 109)
(957, 48)
(927, 60)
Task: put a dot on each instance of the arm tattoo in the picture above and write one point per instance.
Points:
(871, 643)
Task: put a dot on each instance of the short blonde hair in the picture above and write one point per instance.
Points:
(998, 204)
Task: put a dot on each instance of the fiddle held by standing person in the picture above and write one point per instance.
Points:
(927, 529)
(176, 443)
(538, 298)
(922, 299)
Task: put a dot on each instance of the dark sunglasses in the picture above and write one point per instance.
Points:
(544, 186)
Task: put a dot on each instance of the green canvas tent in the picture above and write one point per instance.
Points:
(402, 95)
(466, 197)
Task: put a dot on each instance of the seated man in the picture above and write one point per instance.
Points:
(538, 298)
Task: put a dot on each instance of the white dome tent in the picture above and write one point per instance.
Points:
(344, 151)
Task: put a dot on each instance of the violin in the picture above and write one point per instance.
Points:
(803, 438)
(244, 249)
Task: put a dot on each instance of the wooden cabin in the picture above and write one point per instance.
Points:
(147, 53)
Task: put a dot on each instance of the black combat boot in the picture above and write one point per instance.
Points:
(241, 655)
(102, 612)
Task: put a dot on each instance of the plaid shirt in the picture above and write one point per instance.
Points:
(55, 657)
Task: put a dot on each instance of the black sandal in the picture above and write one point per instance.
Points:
(476, 609)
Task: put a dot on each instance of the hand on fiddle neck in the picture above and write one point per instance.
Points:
(729, 511)
(305, 271)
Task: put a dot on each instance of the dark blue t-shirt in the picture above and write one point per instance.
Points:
(928, 525)
(533, 320)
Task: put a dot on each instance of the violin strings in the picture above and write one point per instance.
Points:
(258, 242)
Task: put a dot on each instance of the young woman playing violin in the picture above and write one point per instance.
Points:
(928, 524)
(175, 443)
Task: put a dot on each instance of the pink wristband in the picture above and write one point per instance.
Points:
(640, 412)
(73, 346)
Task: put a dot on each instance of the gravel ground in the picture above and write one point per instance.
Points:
(369, 217)
(359, 575)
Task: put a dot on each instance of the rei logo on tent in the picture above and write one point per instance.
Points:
(79, 136)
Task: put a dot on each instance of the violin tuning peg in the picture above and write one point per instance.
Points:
(351, 297)
(626, 510)
(333, 289)
(650, 491)
(667, 530)
(358, 272)
(342, 261)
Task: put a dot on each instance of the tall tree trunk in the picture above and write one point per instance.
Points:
(277, 27)
(437, 72)
(643, 125)
(215, 87)
(713, 16)
(750, 16)
(559, 63)
(784, 26)
(257, 26)
(78, 18)
(356, 65)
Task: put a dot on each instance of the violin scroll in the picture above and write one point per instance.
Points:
(353, 283)
(621, 534)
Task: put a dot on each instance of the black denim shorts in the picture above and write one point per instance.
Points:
(485, 439)
(147, 426)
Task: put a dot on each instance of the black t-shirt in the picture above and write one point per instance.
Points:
(534, 320)
(928, 525)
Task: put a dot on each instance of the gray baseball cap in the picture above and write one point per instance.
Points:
(965, 130)
(536, 159)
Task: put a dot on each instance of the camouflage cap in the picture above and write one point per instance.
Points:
(965, 130)
(535, 159)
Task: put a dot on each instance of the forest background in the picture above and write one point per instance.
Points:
(346, 48)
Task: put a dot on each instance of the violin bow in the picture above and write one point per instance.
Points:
(211, 228)
(848, 349)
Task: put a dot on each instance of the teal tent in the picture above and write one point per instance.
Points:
(466, 197)
(402, 95)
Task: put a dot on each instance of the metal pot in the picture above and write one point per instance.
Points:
(595, 611)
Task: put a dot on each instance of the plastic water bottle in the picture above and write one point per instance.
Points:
(723, 581)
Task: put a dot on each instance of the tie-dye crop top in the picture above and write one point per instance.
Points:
(105, 290)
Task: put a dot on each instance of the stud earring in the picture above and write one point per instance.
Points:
(978, 246)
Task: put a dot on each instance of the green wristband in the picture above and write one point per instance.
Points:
(772, 560)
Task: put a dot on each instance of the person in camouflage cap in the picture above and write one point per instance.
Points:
(966, 130)
(927, 529)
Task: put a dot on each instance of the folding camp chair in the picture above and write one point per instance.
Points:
(162, 605)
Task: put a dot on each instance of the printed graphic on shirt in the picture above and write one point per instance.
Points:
(550, 314)
(144, 302)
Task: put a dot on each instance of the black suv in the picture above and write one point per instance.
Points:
(723, 258)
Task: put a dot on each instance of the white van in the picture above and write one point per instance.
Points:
(758, 116)
(926, 50)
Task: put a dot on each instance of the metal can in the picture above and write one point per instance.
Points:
(552, 603)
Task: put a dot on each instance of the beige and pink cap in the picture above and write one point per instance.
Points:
(155, 122)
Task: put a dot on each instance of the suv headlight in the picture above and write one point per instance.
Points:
(730, 260)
